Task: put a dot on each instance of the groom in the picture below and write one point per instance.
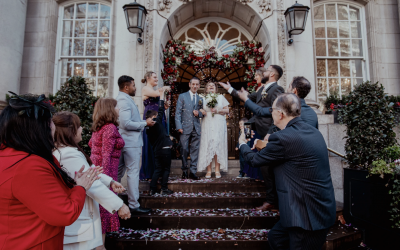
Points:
(188, 124)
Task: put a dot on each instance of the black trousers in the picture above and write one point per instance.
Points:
(162, 169)
(296, 238)
(269, 180)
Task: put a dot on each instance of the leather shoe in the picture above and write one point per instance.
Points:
(166, 192)
(266, 206)
(153, 192)
(140, 210)
(193, 176)
(184, 174)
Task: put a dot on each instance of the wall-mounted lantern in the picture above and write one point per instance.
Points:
(135, 15)
(296, 18)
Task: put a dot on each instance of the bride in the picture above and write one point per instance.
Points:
(213, 152)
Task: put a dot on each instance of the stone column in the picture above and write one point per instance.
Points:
(39, 47)
(12, 29)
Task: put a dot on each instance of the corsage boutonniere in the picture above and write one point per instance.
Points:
(200, 102)
(264, 94)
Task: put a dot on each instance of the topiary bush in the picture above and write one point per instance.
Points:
(369, 118)
(76, 97)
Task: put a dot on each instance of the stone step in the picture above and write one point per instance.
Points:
(200, 200)
(339, 237)
(203, 218)
(209, 185)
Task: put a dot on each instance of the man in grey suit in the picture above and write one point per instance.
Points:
(188, 124)
(131, 127)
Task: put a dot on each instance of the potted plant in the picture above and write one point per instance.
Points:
(368, 116)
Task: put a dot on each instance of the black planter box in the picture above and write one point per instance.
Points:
(367, 205)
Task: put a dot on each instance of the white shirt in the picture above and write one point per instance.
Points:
(192, 95)
(265, 87)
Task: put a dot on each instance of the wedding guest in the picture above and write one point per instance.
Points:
(106, 145)
(131, 128)
(213, 153)
(38, 197)
(242, 174)
(85, 233)
(151, 98)
(264, 97)
(161, 143)
(298, 156)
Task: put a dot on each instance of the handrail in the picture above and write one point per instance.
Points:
(337, 153)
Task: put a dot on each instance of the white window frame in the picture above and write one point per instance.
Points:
(364, 58)
(58, 57)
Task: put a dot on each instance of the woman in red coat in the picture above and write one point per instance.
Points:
(37, 197)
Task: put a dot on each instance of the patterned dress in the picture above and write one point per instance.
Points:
(106, 145)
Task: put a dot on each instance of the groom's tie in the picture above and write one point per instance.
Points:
(194, 101)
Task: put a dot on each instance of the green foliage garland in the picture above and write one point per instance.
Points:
(76, 97)
(369, 119)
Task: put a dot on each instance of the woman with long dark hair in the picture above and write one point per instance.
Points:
(86, 232)
(38, 198)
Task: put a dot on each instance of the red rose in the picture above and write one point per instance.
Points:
(166, 60)
(184, 48)
(208, 57)
(173, 59)
(240, 53)
(226, 56)
(169, 70)
(252, 45)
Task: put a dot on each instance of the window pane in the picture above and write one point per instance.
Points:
(319, 29)
(103, 69)
(343, 12)
(102, 87)
(66, 47)
(332, 29)
(322, 87)
(104, 12)
(321, 68)
(91, 69)
(345, 86)
(356, 68)
(79, 68)
(333, 86)
(354, 13)
(357, 47)
(104, 29)
(357, 81)
(91, 82)
(91, 47)
(79, 28)
(81, 11)
(67, 29)
(93, 11)
(64, 67)
(330, 11)
(78, 47)
(92, 29)
(344, 47)
(319, 12)
(356, 29)
(320, 47)
(344, 30)
(103, 47)
(69, 12)
(344, 68)
(333, 47)
(333, 68)
(63, 80)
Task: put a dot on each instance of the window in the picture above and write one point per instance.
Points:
(84, 43)
(339, 48)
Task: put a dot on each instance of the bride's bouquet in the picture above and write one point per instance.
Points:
(212, 101)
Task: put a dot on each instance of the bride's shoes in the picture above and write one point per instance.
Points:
(217, 175)
(208, 175)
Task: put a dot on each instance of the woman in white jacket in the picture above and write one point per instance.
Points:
(85, 233)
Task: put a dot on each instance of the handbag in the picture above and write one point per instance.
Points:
(82, 229)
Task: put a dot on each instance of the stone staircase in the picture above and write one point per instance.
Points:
(210, 213)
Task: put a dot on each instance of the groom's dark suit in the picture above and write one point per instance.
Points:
(299, 157)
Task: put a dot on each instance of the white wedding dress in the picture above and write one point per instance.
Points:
(213, 140)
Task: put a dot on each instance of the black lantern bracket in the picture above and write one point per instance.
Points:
(296, 19)
(135, 15)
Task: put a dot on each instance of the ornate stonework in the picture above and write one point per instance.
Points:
(265, 5)
(148, 38)
(244, 1)
(282, 42)
(164, 5)
(185, 1)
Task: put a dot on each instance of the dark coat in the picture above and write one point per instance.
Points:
(299, 157)
(262, 124)
(308, 115)
(157, 135)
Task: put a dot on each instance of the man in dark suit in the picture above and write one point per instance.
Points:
(299, 158)
(264, 97)
(161, 143)
(299, 86)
